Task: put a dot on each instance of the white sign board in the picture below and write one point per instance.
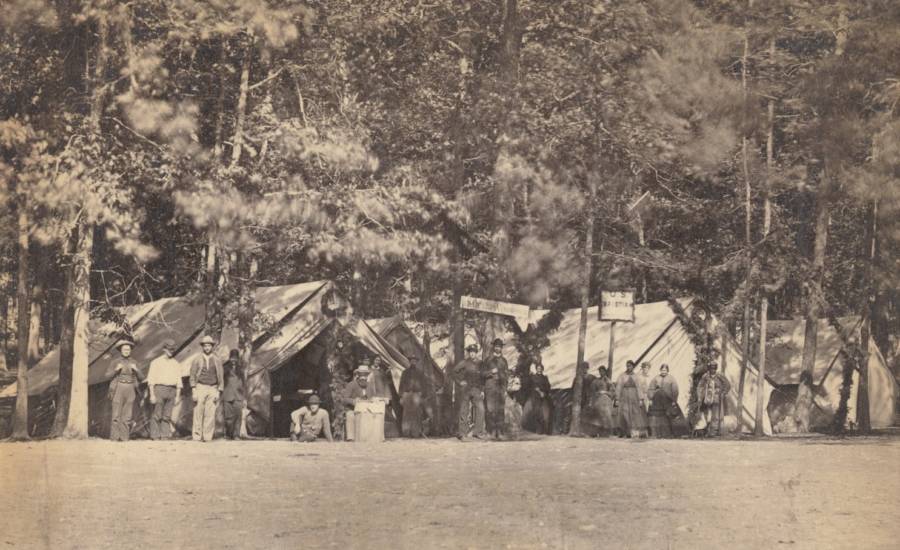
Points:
(617, 305)
(518, 311)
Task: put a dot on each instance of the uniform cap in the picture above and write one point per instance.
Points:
(207, 340)
(314, 400)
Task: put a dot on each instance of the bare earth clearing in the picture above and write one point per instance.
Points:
(549, 493)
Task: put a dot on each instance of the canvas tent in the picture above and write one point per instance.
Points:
(299, 313)
(784, 352)
(405, 341)
(657, 336)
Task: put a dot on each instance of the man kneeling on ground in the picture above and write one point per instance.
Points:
(308, 422)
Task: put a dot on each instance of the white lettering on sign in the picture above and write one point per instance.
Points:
(616, 305)
(518, 311)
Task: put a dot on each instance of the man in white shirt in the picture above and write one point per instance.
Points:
(164, 381)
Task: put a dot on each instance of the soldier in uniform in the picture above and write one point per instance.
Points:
(469, 377)
(496, 377)
(122, 391)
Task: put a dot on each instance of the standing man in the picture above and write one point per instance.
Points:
(496, 375)
(122, 390)
(711, 391)
(233, 396)
(207, 384)
(357, 389)
(164, 382)
(468, 376)
(413, 395)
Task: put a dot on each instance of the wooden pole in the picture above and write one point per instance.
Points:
(575, 426)
(610, 356)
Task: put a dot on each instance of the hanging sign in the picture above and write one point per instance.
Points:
(616, 305)
(517, 311)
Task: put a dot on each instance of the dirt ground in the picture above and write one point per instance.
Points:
(553, 492)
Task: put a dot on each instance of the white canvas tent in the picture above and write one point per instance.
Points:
(784, 352)
(657, 336)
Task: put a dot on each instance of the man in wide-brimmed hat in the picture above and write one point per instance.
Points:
(310, 421)
(470, 380)
(356, 389)
(207, 384)
(164, 381)
(123, 389)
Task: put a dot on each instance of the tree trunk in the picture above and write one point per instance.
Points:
(238, 139)
(575, 426)
(77, 421)
(4, 333)
(764, 298)
(803, 404)
(748, 215)
(67, 333)
(20, 417)
(863, 421)
(34, 329)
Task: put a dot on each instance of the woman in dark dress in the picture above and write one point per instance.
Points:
(663, 394)
(536, 413)
(630, 398)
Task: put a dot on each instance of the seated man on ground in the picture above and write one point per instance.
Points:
(310, 421)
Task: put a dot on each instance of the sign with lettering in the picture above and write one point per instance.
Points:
(616, 305)
(517, 311)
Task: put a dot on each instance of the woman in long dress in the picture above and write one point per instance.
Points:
(663, 394)
(603, 393)
(630, 398)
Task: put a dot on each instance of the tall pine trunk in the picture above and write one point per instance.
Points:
(863, 420)
(20, 417)
(764, 298)
(77, 419)
(577, 384)
(34, 327)
(748, 210)
(67, 332)
(803, 404)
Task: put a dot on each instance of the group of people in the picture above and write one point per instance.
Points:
(209, 382)
(639, 405)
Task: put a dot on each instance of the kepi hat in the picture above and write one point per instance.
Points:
(313, 400)
(207, 339)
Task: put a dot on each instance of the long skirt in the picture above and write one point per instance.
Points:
(536, 414)
(659, 413)
(632, 416)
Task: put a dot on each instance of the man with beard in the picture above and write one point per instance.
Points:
(357, 389)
